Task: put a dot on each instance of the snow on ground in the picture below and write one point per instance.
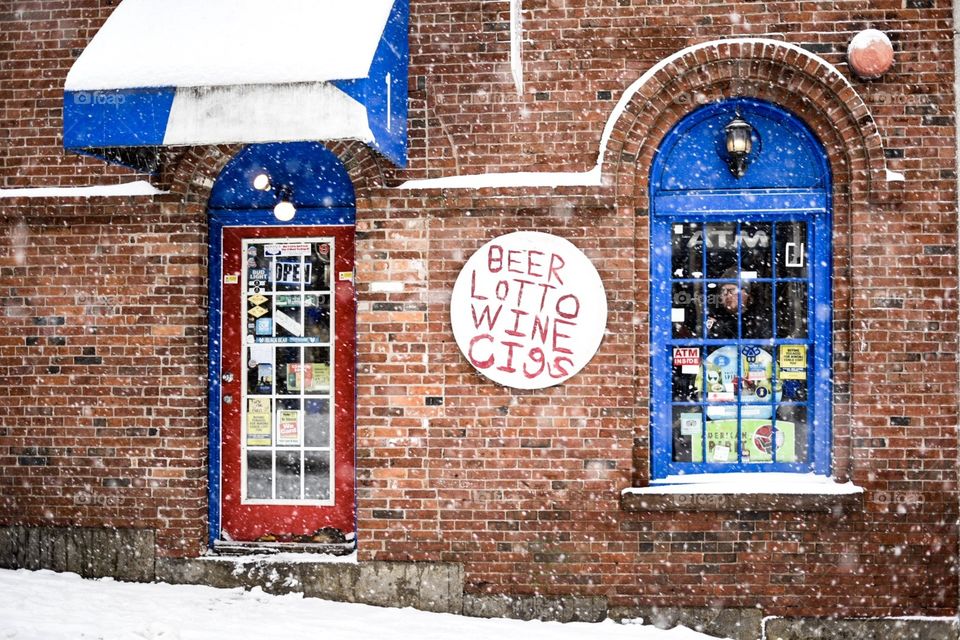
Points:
(64, 606)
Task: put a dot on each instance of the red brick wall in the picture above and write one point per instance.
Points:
(108, 427)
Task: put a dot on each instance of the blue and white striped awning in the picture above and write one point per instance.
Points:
(182, 72)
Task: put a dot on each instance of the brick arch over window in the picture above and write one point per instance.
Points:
(818, 94)
(191, 173)
(776, 71)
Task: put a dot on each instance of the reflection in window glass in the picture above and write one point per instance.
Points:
(316, 482)
(792, 310)
(687, 364)
(687, 310)
(792, 250)
(756, 301)
(259, 475)
(316, 424)
(687, 433)
(288, 475)
(687, 250)
(721, 241)
(755, 246)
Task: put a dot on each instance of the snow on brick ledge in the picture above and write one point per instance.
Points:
(745, 492)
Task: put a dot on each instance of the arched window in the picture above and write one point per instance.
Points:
(741, 310)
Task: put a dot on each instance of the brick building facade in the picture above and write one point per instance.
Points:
(104, 352)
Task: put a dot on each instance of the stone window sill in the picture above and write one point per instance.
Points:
(745, 492)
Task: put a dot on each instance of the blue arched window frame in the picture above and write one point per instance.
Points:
(690, 184)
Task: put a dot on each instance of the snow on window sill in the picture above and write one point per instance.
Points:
(744, 492)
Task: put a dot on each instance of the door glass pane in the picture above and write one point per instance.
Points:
(260, 370)
(316, 423)
(288, 318)
(288, 365)
(259, 474)
(316, 318)
(316, 482)
(288, 475)
(290, 272)
(792, 310)
(320, 270)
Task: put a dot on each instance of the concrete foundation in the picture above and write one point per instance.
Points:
(129, 554)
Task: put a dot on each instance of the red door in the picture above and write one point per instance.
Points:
(287, 400)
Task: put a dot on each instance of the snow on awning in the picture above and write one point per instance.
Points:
(181, 72)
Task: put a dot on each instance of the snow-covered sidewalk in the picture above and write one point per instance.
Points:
(64, 606)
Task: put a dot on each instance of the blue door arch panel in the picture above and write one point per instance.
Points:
(741, 298)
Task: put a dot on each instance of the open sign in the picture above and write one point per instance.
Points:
(290, 272)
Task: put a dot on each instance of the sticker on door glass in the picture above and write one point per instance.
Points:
(313, 377)
(259, 433)
(287, 249)
(288, 428)
(291, 272)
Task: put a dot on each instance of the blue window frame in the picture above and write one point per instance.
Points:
(741, 299)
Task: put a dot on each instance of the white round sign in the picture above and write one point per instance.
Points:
(528, 310)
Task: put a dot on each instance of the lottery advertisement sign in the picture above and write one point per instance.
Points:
(528, 310)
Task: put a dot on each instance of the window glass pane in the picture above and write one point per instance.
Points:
(316, 481)
(792, 421)
(723, 302)
(756, 382)
(760, 440)
(259, 474)
(791, 249)
(792, 368)
(686, 312)
(687, 434)
(756, 301)
(686, 373)
(687, 253)
(791, 309)
(721, 248)
(288, 475)
(756, 241)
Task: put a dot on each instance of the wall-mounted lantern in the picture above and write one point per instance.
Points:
(284, 210)
(739, 142)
